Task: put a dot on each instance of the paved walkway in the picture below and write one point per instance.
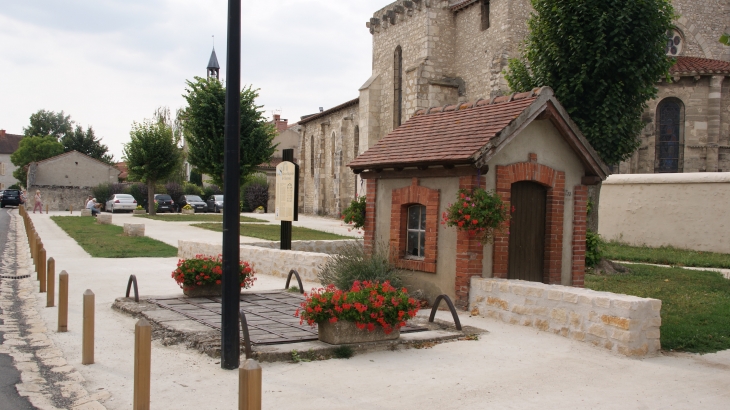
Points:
(512, 367)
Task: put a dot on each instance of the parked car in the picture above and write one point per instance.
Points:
(215, 203)
(194, 201)
(121, 202)
(9, 197)
(164, 203)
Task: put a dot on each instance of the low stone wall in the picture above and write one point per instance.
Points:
(625, 324)
(267, 261)
(687, 210)
(59, 198)
(328, 247)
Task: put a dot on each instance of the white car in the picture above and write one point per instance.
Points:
(121, 202)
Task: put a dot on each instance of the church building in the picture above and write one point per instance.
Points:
(436, 53)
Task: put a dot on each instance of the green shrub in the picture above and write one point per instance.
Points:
(139, 192)
(174, 189)
(351, 264)
(355, 213)
(251, 180)
(14, 186)
(257, 196)
(192, 189)
(211, 190)
(594, 248)
(196, 178)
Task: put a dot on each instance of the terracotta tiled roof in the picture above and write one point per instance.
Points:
(331, 110)
(470, 133)
(9, 143)
(695, 66)
(456, 5)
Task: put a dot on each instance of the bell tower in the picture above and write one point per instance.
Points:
(213, 67)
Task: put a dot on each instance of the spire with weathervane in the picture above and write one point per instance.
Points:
(213, 67)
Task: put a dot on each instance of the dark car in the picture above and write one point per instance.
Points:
(194, 201)
(10, 197)
(215, 203)
(164, 203)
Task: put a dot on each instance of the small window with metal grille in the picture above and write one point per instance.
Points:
(416, 232)
(485, 14)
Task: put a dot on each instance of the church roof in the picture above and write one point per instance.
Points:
(472, 133)
(697, 66)
(9, 143)
(213, 62)
(329, 111)
(456, 5)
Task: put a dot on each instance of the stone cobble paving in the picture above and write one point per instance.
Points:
(48, 380)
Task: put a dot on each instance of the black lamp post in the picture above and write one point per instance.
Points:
(230, 336)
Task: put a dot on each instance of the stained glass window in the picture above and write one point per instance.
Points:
(674, 43)
(668, 136)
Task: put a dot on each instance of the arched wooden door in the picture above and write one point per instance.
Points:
(527, 231)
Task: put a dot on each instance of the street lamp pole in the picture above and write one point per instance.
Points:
(230, 336)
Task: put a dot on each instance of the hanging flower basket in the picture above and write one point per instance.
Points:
(478, 212)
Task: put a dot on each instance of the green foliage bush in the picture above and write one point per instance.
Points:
(174, 189)
(192, 189)
(351, 264)
(355, 213)
(594, 248)
(258, 179)
(139, 192)
(257, 196)
(211, 190)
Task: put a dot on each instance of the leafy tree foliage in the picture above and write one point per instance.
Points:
(32, 150)
(151, 155)
(44, 123)
(86, 142)
(204, 123)
(603, 59)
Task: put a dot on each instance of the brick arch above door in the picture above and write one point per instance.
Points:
(555, 182)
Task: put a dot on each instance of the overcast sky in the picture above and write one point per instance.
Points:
(108, 63)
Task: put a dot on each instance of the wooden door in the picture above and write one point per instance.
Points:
(527, 232)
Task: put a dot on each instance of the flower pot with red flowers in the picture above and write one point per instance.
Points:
(368, 312)
(478, 212)
(202, 276)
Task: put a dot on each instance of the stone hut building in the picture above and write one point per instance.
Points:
(65, 180)
(8, 145)
(526, 148)
(429, 53)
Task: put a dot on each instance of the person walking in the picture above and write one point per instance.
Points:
(38, 203)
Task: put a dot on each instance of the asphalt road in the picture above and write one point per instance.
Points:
(9, 375)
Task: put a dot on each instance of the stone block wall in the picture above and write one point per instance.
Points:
(273, 262)
(328, 247)
(624, 324)
(59, 198)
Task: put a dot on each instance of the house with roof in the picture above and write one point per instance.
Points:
(8, 145)
(66, 180)
(523, 146)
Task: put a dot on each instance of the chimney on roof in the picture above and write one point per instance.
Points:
(280, 124)
(321, 109)
(2, 133)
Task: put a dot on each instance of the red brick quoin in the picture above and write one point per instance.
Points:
(555, 183)
(469, 254)
(402, 198)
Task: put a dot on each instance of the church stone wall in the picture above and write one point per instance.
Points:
(327, 145)
(702, 22)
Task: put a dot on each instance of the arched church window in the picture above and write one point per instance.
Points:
(669, 136)
(675, 42)
(397, 86)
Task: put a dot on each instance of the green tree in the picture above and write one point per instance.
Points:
(151, 155)
(86, 142)
(32, 150)
(44, 123)
(204, 124)
(603, 59)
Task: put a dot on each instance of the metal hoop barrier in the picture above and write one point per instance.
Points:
(299, 280)
(132, 280)
(246, 338)
(446, 298)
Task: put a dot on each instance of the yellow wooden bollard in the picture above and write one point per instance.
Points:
(142, 364)
(249, 385)
(46, 209)
(63, 302)
(38, 260)
(50, 282)
(42, 269)
(87, 342)
(71, 208)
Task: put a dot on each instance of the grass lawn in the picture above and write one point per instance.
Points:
(273, 232)
(108, 241)
(665, 256)
(195, 218)
(695, 304)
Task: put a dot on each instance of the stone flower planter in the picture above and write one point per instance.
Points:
(188, 211)
(343, 332)
(139, 212)
(204, 291)
(258, 211)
